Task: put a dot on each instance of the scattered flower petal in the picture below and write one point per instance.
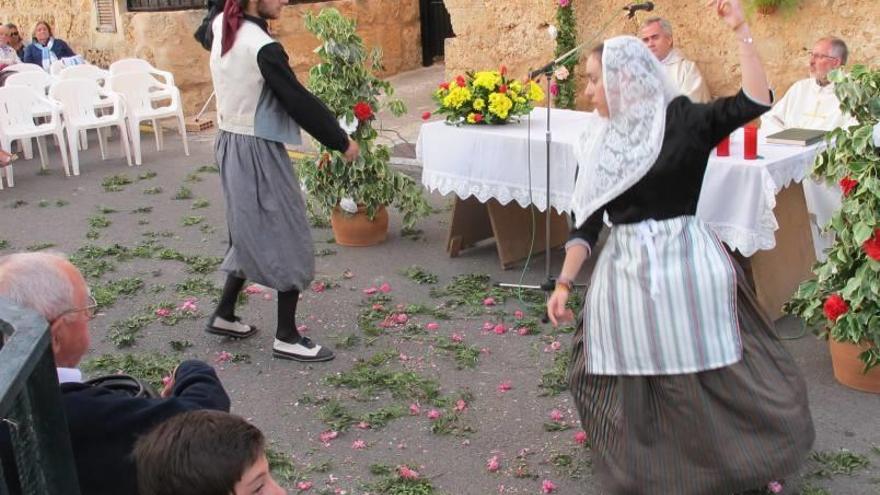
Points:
(523, 330)
(378, 307)
(580, 437)
(457, 337)
(518, 314)
(426, 115)
(488, 325)
(415, 409)
(163, 312)
(434, 414)
(548, 486)
(504, 386)
(359, 444)
(319, 287)
(774, 487)
(348, 274)
(304, 485)
(402, 318)
(556, 415)
(302, 328)
(492, 464)
(489, 301)
(253, 289)
(328, 435)
(406, 473)
(363, 425)
(460, 405)
(223, 357)
(370, 291)
(385, 288)
(432, 326)
(500, 329)
(166, 380)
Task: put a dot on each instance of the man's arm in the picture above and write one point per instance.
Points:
(304, 107)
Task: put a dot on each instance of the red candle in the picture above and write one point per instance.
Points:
(750, 144)
(723, 148)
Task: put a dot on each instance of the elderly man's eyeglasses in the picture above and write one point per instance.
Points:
(90, 309)
(822, 56)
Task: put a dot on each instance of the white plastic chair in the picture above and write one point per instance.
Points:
(77, 98)
(137, 91)
(17, 123)
(56, 67)
(140, 65)
(24, 67)
(85, 71)
(39, 80)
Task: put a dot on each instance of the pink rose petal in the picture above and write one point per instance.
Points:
(253, 289)
(328, 435)
(432, 326)
(415, 409)
(488, 326)
(370, 291)
(460, 405)
(518, 314)
(580, 437)
(556, 415)
(166, 380)
(492, 464)
(523, 330)
(457, 337)
(223, 357)
(406, 473)
(319, 287)
(401, 319)
(504, 386)
(489, 301)
(359, 444)
(385, 288)
(500, 329)
(363, 425)
(302, 328)
(548, 486)
(434, 414)
(304, 485)
(774, 487)
(378, 307)
(163, 312)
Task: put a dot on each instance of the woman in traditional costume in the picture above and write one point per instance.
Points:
(678, 378)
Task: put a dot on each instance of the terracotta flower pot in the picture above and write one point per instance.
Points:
(848, 367)
(357, 230)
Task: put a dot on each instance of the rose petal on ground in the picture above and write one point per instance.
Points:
(504, 386)
(489, 301)
(434, 414)
(492, 464)
(580, 437)
(548, 486)
(385, 288)
(432, 326)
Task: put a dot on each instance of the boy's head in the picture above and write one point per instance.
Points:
(204, 453)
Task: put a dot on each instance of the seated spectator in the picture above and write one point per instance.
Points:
(656, 34)
(103, 423)
(45, 48)
(204, 453)
(7, 53)
(14, 39)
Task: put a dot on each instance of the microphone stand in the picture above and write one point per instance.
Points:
(547, 71)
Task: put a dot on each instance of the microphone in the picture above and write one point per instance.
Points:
(633, 7)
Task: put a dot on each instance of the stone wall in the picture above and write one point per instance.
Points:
(518, 30)
(165, 38)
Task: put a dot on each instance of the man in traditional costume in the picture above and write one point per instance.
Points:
(261, 106)
(656, 33)
(678, 377)
(811, 104)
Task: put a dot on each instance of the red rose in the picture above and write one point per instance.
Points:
(502, 89)
(460, 81)
(363, 111)
(478, 117)
(835, 307)
(847, 185)
(426, 115)
(444, 85)
(872, 246)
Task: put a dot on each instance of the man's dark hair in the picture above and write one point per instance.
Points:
(197, 453)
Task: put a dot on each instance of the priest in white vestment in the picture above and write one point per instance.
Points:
(811, 104)
(656, 33)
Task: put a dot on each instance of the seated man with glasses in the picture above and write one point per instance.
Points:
(13, 38)
(811, 104)
(103, 423)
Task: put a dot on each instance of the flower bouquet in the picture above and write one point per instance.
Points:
(485, 97)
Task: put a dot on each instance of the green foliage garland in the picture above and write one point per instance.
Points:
(566, 40)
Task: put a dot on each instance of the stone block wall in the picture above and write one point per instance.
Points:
(514, 32)
(165, 38)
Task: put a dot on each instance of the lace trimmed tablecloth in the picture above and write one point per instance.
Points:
(486, 162)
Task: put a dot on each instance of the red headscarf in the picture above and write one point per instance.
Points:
(232, 17)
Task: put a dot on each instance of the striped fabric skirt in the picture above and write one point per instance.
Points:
(713, 432)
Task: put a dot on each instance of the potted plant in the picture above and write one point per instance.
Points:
(768, 7)
(843, 300)
(355, 194)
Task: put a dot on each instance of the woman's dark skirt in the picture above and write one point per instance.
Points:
(715, 432)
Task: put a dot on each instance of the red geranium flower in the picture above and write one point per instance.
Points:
(363, 111)
(444, 85)
(871, 247)
(478, 117)
(502, 89)
(847, 185)
(460, 81)
(835, 307)
(426, 115)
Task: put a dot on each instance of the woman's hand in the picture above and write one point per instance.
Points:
(352, 152)
(556, 310)
(730, 11)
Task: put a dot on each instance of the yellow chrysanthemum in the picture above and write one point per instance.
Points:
(472, 118)
(515, 86)
(479, 104)
(457, 97)
(535, 92)
(500, 104)
(487, 79)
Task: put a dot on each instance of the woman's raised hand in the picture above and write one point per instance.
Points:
(730, 11)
